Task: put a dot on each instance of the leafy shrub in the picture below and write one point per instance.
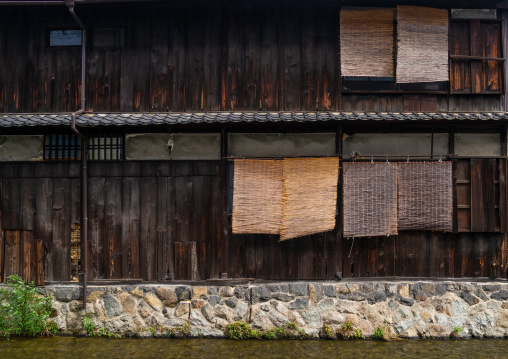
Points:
(347, 332)
(23, 311)
(379, 333)
(242, 330)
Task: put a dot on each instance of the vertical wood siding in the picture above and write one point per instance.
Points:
(159, 221)
(269, 57)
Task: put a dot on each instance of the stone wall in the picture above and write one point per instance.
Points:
(411, 309)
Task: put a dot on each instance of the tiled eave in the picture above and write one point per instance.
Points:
(196, 118)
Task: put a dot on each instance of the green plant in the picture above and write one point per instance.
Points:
(23, 311)
(238, 330)
(242, 330)
(89, 326)
(328, 332)
(357, 334)
(457, 330)
(379, 333)
(347, 332)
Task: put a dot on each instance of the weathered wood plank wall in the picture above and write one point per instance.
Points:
(269, 57)
(168, 220)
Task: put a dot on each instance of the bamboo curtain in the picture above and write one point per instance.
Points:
(366, 42)
(370, 199)
(422, 44)
(290, 197)
(425, 196)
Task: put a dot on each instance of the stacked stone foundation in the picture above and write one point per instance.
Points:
(420, 309)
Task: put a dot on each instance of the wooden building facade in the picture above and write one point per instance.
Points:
(233, 70)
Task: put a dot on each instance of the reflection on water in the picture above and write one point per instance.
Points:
(70, 347)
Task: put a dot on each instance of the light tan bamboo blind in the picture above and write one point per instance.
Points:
(422, 50)
(257, 196)
(366, 42)
(425, 196)
(370, 199)
(309, 196)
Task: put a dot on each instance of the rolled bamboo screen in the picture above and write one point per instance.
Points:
(309, 198)
(422, 38)
(425, 196)
(370, 199)
(366, 42)
(257, 196)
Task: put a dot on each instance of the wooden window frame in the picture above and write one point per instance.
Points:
(67, 147)
(474, 60)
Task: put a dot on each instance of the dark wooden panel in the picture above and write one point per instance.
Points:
(148, 229)
(44, 221)
(163, 202)
(27, 203)
(483, 195)
(182, 267)
(131, 226)
(28, 256)
(11, 204)
(270, 95)
(113, 239)
(142, 43)
(97, 226)
(61, 254)
(291, 58)
(12, 264)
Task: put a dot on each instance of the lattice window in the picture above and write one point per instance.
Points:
(107, 147)
(62, 147)
(102, 147)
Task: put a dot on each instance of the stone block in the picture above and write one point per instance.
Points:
(227, 291)
(376, 297)
(469, 298)
(260, 294)
(299, 303)
(112, 307)
(312, 318)
(283, 297)
(182, 308)
(224, 313)
(501, 295)
(241, 311)
(198, 292)
(182, 293)
(153, 301)
(299, 289)
(329, 291)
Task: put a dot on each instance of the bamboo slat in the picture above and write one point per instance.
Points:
(257, 196)
(366, 42)
(309, 198)
(370, 199)
(425, 196)
(422, 44)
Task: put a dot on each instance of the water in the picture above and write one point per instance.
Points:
(70, 347)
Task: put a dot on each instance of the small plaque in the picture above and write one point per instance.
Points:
(65, 38)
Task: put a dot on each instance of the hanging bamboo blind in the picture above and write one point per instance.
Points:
(422, 38)
(370, 199)
(257, 196)
(425, 196)
(366, 42)
(309, 196)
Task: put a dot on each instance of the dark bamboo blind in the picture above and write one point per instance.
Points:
(422, 44)
(370, 199)
(366, 42)
(425, 196)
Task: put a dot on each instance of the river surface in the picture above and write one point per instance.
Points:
(71, 347)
